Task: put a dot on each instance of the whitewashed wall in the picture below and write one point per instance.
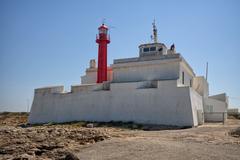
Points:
(90, 76)
(188, 74)
(146, 70)
(167, 105)
(215, 110)
(197, 106)
(201, 86)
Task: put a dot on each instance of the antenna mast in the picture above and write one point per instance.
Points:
(207, 71)
(103, 21)
(155, 39)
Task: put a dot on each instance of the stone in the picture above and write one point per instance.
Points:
(24, 157)
(90, 125)
(71, 156)
(45, 142)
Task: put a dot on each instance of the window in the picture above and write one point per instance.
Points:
(190, 82)
(210, 108)
(145, 49)
(182, 77)
(103, 31)
(152, 48)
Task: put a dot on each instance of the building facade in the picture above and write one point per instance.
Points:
(156, 87)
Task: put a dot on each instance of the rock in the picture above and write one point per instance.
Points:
(71, 156)
(3, 151)
(40, 138)
(89, 125)
(39, 152)
(24, 157)
(46, 141)
(32, 153)
(48, 147)
(235, 132)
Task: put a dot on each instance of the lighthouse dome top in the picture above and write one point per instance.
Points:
(103, 26)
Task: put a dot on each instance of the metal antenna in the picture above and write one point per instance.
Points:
(110, 28)
(207, 71)
(155, 39)
(103, 21)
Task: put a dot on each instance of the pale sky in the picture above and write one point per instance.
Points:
(44, 43)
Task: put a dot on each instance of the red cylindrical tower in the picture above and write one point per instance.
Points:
(102, 40)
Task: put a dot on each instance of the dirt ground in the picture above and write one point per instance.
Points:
(210, 141)
(114, 141)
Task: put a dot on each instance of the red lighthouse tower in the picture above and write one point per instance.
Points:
(102, 40)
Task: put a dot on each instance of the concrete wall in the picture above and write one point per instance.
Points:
(146, 70)
(86, 88)
(215, 110)
(188, 75)
(221, 97)
(52, 89)
(200, 85)
(167, 104)
(91, 76)
(197, 105)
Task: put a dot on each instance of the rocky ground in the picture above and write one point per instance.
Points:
(50, 141)
(116, 140)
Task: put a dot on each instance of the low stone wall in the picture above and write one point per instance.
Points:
(215, 116)
(165, 105)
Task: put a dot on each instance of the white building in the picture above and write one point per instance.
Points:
(157, 87)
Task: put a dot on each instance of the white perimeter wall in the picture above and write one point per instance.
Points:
(167, 104)
(215, 110)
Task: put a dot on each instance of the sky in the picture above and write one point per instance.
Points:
(50, 42)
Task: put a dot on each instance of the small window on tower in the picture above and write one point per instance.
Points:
(103, 31)
(152, 48)
(145, 49)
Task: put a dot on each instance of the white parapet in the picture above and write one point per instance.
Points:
(133, 85)
(49, 90)
(87, 87)
(160, 105)
(215, 108)
(145, 70)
